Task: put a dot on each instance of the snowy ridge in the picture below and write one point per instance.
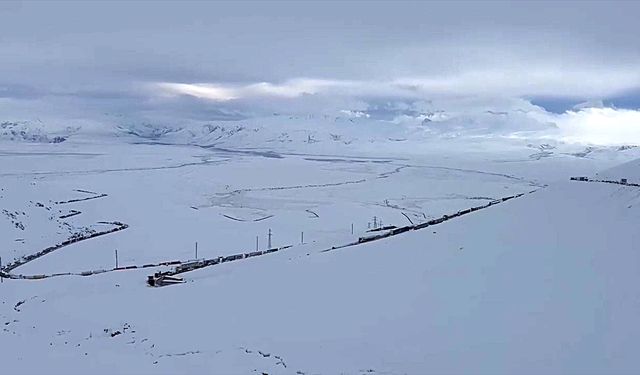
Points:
(385, 124)
(25, 131)
(359, 135)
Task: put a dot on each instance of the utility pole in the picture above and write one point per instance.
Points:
(351, 228)
(302, 237)
(256, 243)
(116, 258)
(196, 249)
(269, 238)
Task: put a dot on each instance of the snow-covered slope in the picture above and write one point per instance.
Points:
(544, 283)
(629, 170)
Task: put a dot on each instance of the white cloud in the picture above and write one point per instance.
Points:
(225, 92)
(202, 91)
(602, 126)
(503, 81)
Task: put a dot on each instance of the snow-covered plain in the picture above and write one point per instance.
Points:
(546, 283)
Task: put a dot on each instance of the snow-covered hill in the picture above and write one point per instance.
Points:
(324, 134)
(25, 131)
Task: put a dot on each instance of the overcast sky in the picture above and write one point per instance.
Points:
(231, 56)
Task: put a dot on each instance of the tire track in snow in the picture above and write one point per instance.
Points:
(98, 171)
(293, 187)
(476, 171)
(311, 186)
(247, 220)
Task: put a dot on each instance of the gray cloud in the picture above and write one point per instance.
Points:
(106, 55)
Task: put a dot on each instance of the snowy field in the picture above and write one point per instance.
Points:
(545, 283)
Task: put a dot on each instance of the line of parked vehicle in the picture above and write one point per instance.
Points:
(622, 181)
(170, 278)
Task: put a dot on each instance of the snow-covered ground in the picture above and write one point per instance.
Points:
(545, 283)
